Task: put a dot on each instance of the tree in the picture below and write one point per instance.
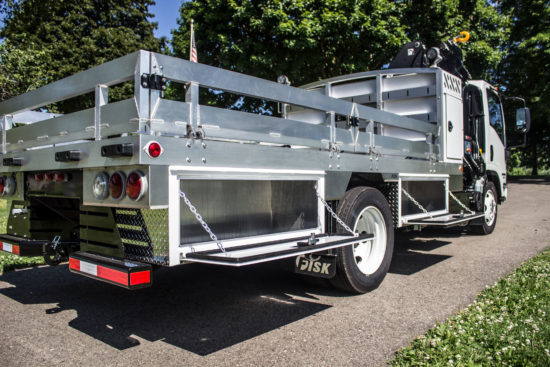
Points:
(439, 20)
(75, 35)
(305, 39)
(524, 71)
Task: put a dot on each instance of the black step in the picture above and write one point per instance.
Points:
(273, 250)
(21, 246)
(122, 272)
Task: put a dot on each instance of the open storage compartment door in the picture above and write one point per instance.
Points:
(257, 215)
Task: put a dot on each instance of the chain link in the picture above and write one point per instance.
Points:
(334, 215)
(202, 221)
(416, 202)
(460, 203)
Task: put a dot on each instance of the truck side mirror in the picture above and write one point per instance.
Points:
(523, 120)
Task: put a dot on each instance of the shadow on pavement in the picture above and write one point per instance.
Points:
(409, 255)
(199, 308)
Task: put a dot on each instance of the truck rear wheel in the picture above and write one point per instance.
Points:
(361, 267)
(489, 221)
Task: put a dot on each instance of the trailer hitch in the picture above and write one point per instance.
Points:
(56, 252)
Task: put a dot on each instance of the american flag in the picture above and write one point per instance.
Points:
(193, 50)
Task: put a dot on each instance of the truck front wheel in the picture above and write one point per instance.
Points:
(361, 267)
(489, 221)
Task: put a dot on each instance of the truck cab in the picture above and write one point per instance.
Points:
(491, 137)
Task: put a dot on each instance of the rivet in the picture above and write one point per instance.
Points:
(204, 145)
(188, 160)
(204, 160)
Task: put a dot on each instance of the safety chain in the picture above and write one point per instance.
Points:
(202, 221)
(460, 203)
(416, 202)
(334, 215)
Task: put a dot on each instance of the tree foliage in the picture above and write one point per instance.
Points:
(304, 39)
(524, 72)
(62, 37)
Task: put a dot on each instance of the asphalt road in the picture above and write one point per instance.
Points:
(261, 316)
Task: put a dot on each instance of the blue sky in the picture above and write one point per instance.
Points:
(166, 15)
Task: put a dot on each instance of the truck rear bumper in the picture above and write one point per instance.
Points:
(124, 273)
(21, 246)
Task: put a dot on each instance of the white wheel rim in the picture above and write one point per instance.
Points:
(368, 255)
(490, 207)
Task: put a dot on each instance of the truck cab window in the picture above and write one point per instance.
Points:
(495, 114)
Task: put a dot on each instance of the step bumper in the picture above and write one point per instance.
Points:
(121, 272)
(21, 246)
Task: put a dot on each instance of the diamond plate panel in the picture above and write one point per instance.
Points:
(144, 234)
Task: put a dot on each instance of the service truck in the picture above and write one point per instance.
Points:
(124, 187)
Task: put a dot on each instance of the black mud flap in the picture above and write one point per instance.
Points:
(124, 273)
(22, 246)
(322, 266)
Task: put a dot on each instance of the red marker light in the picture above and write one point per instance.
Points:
(117, 185)
(59, 176)
(154, 149)
(49, 176)
(2, 184)
(39, 177)
(136, 185)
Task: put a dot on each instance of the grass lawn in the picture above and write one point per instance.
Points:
(507, 325)
(7, 261)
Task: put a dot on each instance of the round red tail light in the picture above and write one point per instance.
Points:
(117, 185)
(2, 185)
(49, 176)
(136, 185)
(59, 176)
(39, 177)
(154, 149)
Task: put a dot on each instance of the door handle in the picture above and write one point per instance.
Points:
(492, 153)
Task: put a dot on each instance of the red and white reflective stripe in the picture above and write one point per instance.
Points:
(112, 275)
(140, 277)
(8, 247)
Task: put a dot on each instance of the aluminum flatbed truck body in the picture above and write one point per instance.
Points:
(150, 181)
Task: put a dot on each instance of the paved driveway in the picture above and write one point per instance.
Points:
(207, 316)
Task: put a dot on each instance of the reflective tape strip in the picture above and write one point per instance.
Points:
(112, 275)
(74, 264)
(140, 277)
(88, 268)
(15, 249)
(8, 247)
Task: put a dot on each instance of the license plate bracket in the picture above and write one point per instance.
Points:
(321, 266)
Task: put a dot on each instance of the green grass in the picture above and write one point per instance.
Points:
(507, 325)
(7, 261)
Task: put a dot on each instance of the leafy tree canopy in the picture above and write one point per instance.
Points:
(61, 37)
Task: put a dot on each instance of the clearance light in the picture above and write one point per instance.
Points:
(154, 149)
(39, 177)
(117, 185)
(2, 185)
(100, 187)
(50, 176)
(136, 185)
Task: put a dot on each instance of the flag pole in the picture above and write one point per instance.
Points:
(191, 42)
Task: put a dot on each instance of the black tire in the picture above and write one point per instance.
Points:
(349, 276)
(485, 226)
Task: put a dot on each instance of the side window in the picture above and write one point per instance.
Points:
(495, 113)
